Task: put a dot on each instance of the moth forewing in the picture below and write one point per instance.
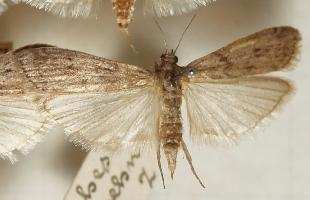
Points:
(22, 125)
(225, 99)
(266, 51)
(39, 80)
(75, 72)
(109, 105)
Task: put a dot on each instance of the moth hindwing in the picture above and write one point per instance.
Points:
(111, 106)
(124, 9)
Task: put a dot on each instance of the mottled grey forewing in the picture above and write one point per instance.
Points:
(269, 50)
(41, 68)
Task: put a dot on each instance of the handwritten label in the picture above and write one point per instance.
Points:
(116, 177)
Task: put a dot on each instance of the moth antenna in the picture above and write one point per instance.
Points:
(188, 25)
(160, 168)
(130, 41)
(162, 32)
(189, 160)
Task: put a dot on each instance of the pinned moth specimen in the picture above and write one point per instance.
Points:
(110, 106)
(124, 8)
(5, 3)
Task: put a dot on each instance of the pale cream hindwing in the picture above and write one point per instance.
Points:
(75, 8)
(68, 8)
(224, 110)
(224, 98)
(172, 7)
(22, 125)
(108, 121)
(100, 102)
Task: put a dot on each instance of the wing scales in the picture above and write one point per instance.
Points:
(85, 8)
(22, 125)
(225, 99)
(45, 69)
(68, 8)
(173, 7)
(109, 121)
(109, 105)
(99, 102)
(269, 50)
(228, 109)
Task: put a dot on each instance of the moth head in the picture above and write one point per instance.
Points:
(169, 57)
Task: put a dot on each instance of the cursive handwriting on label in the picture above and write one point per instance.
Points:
(118, 182)
(105, 163)
(90, 189)
(144, 176)
(131, 162)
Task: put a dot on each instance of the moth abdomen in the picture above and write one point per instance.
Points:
(124, 11)
(170, 130)
(171, 137)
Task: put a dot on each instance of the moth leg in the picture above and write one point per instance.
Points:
(159, 166)
(189, 160)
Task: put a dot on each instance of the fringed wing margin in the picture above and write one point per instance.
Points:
(163, 8)
(110, 122)
(68, 8)
(22, 125)
(228, 109)
(225, 97)
(81, 92)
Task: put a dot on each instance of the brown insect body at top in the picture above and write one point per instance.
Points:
(124, 8)
(124, 11)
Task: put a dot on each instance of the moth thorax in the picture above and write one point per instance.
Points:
(171, 80)
(124, 11)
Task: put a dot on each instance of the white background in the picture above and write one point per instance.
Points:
(273, 165)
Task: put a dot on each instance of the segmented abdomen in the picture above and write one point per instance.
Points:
(124, 11)
(170, 131)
